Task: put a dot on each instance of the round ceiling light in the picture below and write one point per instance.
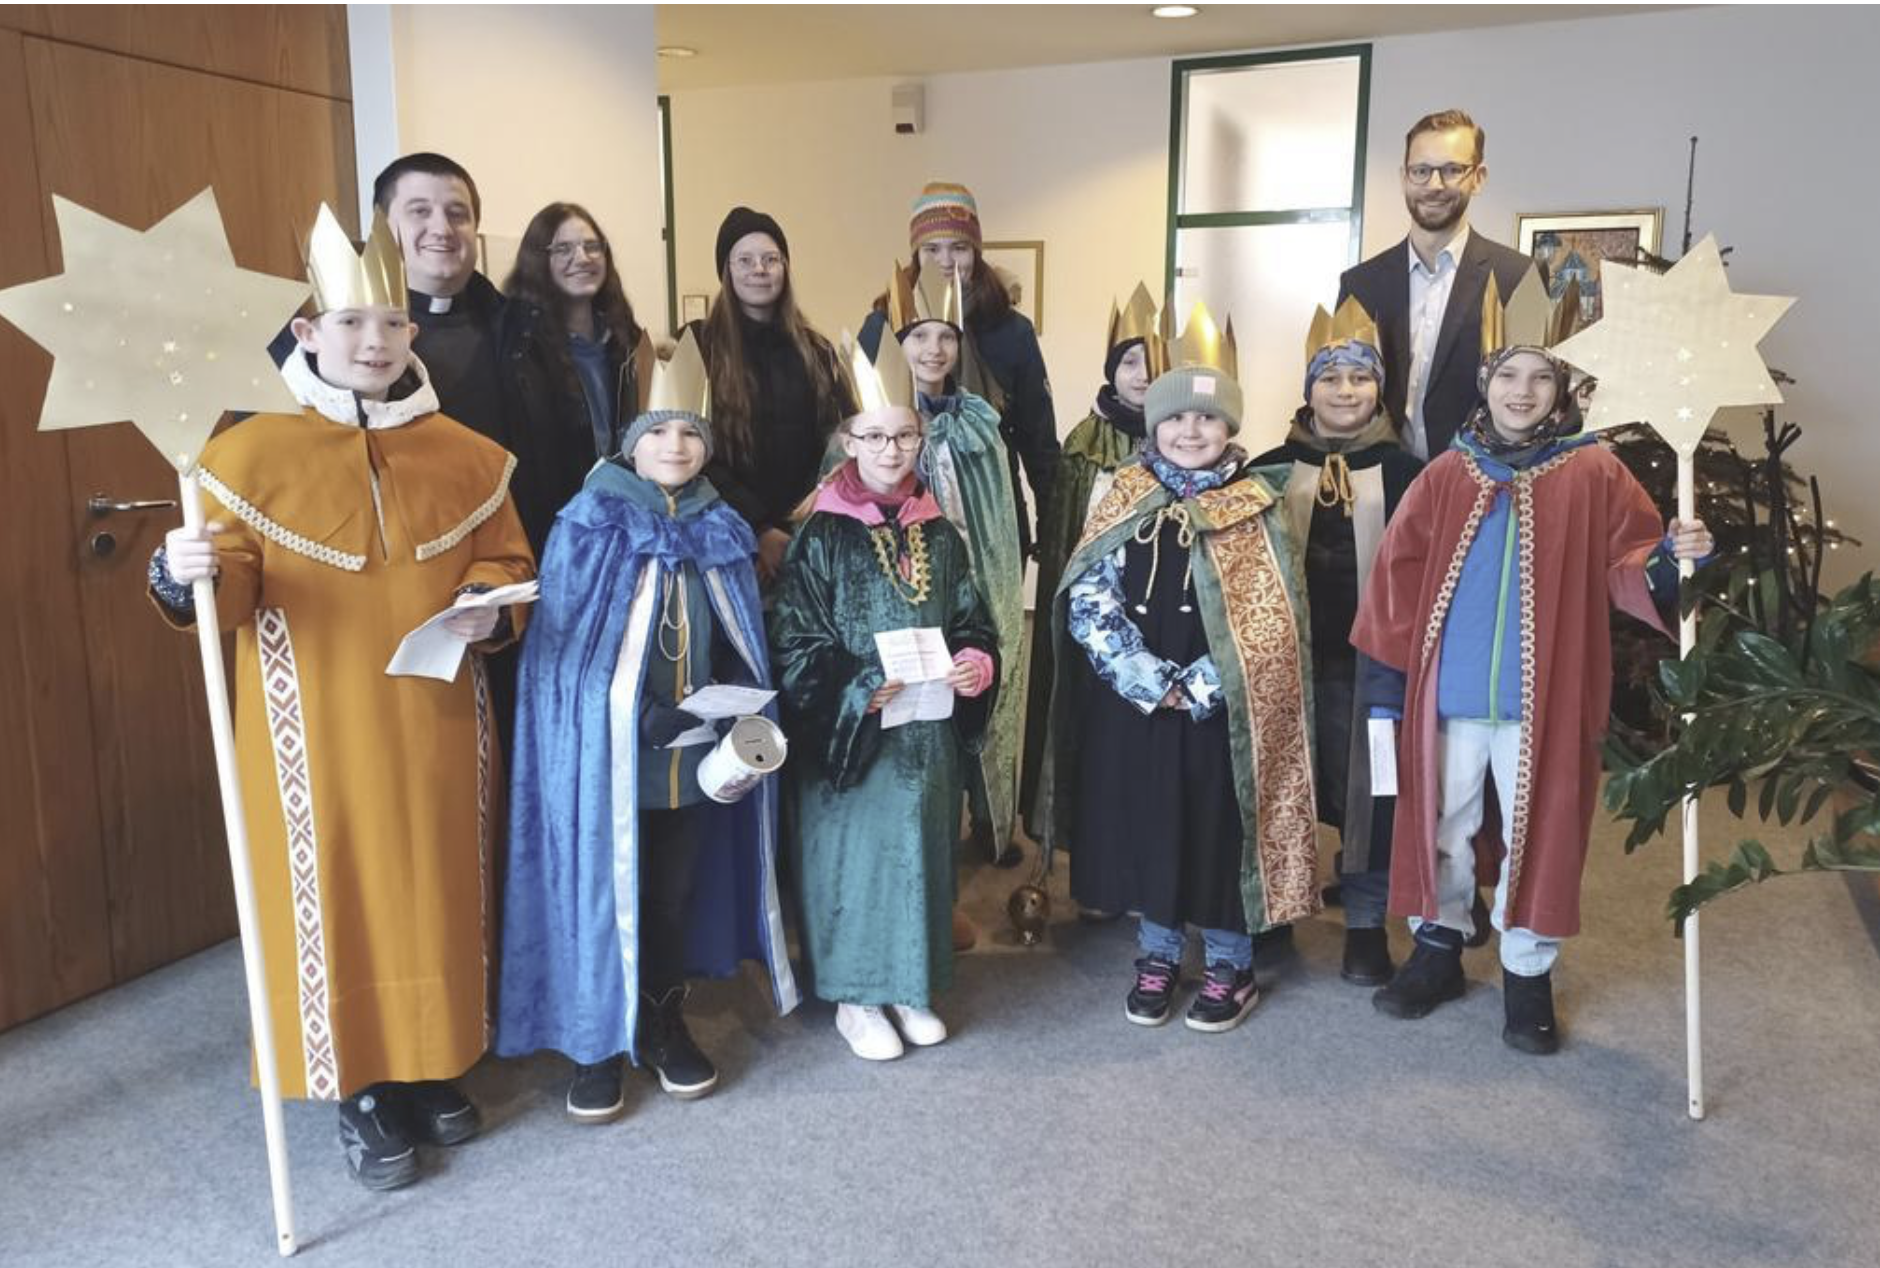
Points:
(677, 50)
(1174, 11)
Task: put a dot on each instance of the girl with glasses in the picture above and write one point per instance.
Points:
(777, 394)
(875, 811)
(572, 361)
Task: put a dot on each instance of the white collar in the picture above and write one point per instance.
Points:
(342, 406)
(1453, 248)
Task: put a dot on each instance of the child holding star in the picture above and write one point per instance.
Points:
(1489, 594)
(331, 534)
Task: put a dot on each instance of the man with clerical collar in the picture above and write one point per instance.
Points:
(434, 210)
(1426, 292)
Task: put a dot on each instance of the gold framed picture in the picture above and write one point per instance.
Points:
(1570, 246)
(1020, 265)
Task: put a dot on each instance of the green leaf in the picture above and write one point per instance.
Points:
(1770, 658)
(1682, 680)
(1738, 798)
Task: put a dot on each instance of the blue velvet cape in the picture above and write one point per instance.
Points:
(570, 952)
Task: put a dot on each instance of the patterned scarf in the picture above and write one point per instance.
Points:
(1565, 419)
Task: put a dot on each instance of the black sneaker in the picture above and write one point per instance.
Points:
(667, 1046)
(1367, 957)
(436, 1113)
(1152, 998)
(595, 1094)
(1431, 976)
(1227, 995)
(372, 1132)
(1529, 1002)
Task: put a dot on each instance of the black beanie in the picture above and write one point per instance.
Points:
(1115, 358)
(743, 220)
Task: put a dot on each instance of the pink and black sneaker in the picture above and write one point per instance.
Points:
(1152, 998)
(1227, 995)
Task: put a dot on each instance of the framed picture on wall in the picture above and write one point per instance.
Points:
(1020, 265)
(1570, 246)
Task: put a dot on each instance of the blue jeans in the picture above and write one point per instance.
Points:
(1217, 945)
(1365, 896)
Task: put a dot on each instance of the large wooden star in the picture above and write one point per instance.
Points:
(161, 328)
(1673, 349)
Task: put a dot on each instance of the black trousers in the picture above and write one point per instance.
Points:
(668, 855)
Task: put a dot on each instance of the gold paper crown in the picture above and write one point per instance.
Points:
(1135, 320)
(932, 297)
(1202, 342)
(1529, 319)
(1351, 324)
(680, 382)
(344, 278)
(885, 382)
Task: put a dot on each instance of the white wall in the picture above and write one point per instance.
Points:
(541, 103)
(1597, 114)
(1074, 155)
(1587, 114)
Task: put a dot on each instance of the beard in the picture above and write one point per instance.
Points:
(1435, 218)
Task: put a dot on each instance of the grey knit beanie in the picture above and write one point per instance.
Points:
(1200, 388)
(653, 418)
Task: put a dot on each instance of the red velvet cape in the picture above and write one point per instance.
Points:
(1585, 528)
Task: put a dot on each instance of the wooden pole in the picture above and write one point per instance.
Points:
(209, 636)
(1693, 966)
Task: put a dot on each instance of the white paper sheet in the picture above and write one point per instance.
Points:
(1383, 757)
(431, 651)
(919, 659)
(719, 700)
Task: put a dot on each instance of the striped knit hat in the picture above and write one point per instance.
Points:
(944, 210)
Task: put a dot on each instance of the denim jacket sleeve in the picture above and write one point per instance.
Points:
(1100, 623)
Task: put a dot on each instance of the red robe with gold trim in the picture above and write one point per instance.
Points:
(1586, 528)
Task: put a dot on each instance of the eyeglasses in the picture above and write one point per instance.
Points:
(1420, 173)
(876, 441)
(566, 250)
(751, 263)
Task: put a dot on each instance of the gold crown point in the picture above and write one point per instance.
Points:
(680, 383)
(886, 382)
(345, 278)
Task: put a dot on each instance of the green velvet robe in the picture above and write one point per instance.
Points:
(971, 479)
(873, 819)
(1250, 588)
(1092, 452)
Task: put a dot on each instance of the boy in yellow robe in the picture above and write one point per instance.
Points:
(331, 534)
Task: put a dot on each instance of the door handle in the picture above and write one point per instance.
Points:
(100, 505)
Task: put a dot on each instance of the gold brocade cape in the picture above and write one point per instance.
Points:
(371, 800)
(1251, 592)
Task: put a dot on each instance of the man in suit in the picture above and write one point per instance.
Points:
(1425, 293)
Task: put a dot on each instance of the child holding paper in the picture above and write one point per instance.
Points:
(875, 814)
(622, 874)
(370, 798)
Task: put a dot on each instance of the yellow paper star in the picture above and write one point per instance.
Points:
(161, 328)
(1673, 349)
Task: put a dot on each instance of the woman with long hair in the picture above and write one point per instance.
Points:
(777, 392)
(572, 361)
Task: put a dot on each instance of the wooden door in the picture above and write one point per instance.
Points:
(127, 869)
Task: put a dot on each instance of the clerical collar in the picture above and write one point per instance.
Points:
(422, 303)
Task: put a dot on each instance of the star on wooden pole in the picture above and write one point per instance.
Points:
(161, 327)
(1672, 349)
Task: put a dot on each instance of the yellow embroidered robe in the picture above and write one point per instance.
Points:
(370, 800)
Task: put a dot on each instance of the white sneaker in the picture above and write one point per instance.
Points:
(919, 1026)
(870, 1034)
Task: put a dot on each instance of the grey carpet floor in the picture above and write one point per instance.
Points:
(1048, 1131)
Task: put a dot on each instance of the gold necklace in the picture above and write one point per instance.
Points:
(916, 586)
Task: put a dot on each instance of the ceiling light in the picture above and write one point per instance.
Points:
(1174, 11)
(677, 50)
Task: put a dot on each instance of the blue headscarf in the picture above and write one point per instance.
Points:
(1349, 352)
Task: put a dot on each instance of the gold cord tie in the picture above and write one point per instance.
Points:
(1335, 483)
(1149, 533)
